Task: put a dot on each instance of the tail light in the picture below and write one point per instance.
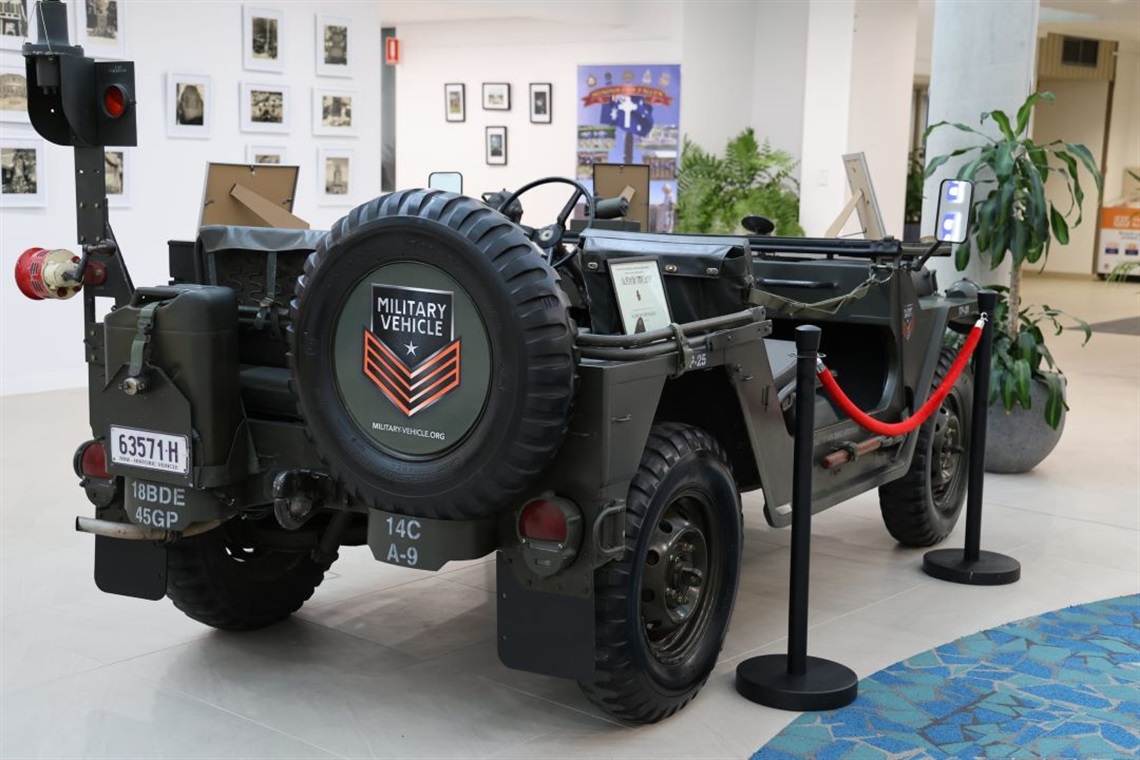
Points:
(91, 460)
(43, 273)
(550, 532)
(543, 520)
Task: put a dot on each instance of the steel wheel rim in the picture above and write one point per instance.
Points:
(947, 448)
(682, 569)
(259, 563)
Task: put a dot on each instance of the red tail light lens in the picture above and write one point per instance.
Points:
(114, 101)
(543, 520)
(93, 461)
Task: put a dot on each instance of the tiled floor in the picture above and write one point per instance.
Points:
(389, 662)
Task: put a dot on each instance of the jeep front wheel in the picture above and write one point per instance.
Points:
(663, 608)
(922, 507)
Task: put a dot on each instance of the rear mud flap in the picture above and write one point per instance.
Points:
(540, 632)
(130, 568)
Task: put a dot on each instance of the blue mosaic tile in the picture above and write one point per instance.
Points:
(1063, 684)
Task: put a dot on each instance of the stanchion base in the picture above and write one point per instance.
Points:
(989, 569)
(825, 685)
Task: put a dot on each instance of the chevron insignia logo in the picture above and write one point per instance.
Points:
(411, 352)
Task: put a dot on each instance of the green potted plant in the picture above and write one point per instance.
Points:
(1012, 217)
(912, 210)
(714, 193)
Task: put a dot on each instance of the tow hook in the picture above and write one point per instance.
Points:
(300, 494)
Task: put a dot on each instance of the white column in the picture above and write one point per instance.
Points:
(857, 97)
(984, 57)
(827, 107)
(780, 50)
(717, 42)
(882, 88)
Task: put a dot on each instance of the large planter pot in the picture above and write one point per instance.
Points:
(1020, 440)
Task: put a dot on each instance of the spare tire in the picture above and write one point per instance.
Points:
(432, 355)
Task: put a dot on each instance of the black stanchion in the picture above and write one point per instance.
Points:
(796, 681)
(972, 565)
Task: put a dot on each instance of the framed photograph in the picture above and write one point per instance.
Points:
(99, 28)
(540, 105)
(13, 94)
(189, 105)
(117, 176)
(266, 154)
(497, 146)
(332, 112)
(22, 172)
(455, 102)
(496, 96)
(333, 46)
(334, 177)
(13, 24)
(264, 108)
(261, 38)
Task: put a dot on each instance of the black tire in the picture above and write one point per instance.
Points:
(922, 507)
(520, 425)
(222, 579)
(647, 669)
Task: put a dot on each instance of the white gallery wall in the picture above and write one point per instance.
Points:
(40, 345)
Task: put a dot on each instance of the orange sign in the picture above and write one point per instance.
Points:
(392, 51)
(1120, 218)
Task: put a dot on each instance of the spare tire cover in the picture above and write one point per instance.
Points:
(432, 355)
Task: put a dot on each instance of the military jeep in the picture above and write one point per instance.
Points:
(439, 381)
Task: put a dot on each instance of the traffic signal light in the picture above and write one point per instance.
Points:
(115, 112)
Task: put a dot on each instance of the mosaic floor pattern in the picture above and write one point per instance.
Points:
(1065, 684)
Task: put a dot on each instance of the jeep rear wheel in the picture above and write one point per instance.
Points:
(663, 609)
(432, 354)
(224, 579)
(922, 507)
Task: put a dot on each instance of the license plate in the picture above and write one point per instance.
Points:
(150, 450)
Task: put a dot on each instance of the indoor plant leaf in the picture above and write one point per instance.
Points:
(1059, 225)
(1027, 109)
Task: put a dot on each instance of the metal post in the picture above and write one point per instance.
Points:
(796, 681)
(807, 354)
(987, 300)
(974, 566)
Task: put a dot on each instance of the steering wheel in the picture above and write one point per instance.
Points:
(550, 237)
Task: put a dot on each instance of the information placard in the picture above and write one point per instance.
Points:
(640, 295)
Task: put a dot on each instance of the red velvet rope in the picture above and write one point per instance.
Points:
(910, 423)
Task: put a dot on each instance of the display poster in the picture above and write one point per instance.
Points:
(631, 114)
(1119, 237)
(640, 295)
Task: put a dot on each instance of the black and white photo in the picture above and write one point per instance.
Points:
(455, 102)
(496, 96)
(540, 108)
(21, 172)
(334, 46)
(189, 104)
(264, 108)
(497, 146)
(265, 154)
(267, 106)
(261, 38)
(13, 23)
(334, 179)
(117, 176)
(99, 27)
(332, 112)
(13, 94)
